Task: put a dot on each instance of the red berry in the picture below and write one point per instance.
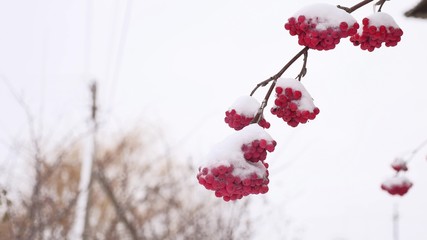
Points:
(365, 21)
(343, 26)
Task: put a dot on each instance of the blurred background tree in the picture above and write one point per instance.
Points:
(135, 194)
(418, 11)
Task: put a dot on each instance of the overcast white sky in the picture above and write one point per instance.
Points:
(180, 64)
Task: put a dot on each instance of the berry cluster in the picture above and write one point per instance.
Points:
(397, 185)
(238, 121)
(293, 103)
(236, 167)
(230, 187)
(377, 29)
(257, 150)
(242, 112)
(399, 165)
(316, 28)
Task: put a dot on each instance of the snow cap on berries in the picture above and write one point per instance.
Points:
(241, 113)
(325, 15)
(246, 105)
(382, 19)
(306, 101)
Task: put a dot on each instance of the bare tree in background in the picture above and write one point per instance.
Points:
(138, 191)
(135, 195)
(5, 204)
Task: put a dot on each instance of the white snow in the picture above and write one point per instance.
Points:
(396, 181)
(246, 105)
(326, 15)
(306, 101)
(398, 162)
(229, 152)
(381, 18)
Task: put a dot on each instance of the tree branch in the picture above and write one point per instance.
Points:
(274, 78)
(303, 71)
(117, 206)
(355, 7)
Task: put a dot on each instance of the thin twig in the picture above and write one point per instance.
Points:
(298, 55)
(261, 84)
(415, 150)
(99, 175)
(274, 78)
(381, 4)
(304, 67)
(355, 7)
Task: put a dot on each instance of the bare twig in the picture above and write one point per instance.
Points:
(304, 67)
(416, 150)
(261, 84)
(355, 7)
(117, 206)
(274, 78)
(381, 4)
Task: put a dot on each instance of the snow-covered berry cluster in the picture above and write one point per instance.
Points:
(399, 164)
(378, 28)
(230, 187)
(236, 167)
(397, 185)
(293, 103)
(242, 112)
(321, 26)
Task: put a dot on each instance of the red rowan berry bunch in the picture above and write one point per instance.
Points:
(377, 29)
(321, 26)
(236, 167)
(230, 187)
(399, 164)
(397, 185)
(242, 112)
(293, 103)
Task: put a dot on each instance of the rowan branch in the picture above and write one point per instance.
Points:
(303, 71)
